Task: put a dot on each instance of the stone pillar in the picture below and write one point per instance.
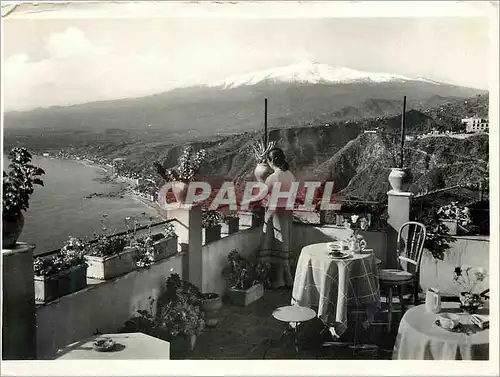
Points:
(187, 222)
(398, 209)
(19, 309)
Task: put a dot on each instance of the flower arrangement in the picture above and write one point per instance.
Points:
(189, 165)
(18, 183)
(244, 274)
(260, 150)
(356, 224)
(468, 278)
(454, 212)
(211, 218)
(72, 254)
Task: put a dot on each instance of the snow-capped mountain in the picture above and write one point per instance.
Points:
(311, 73)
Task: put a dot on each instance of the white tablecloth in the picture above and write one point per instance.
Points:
(419, 338)
(128, 346)
(333, 284)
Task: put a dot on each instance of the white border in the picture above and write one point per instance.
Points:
(291, 9)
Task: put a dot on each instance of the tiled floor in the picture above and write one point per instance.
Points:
(252, 333)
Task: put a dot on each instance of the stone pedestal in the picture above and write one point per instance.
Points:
(398, 209)
(187, 222)
(19, 309)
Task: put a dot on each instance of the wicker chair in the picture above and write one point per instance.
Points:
(410, 247)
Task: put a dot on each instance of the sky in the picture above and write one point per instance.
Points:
(61, 61)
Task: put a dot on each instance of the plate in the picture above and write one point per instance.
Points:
(341, 256)
(104, 345)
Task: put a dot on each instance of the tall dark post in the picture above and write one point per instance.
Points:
(265, 123)
(403, 133)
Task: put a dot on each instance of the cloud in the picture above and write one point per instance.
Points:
(77, 70)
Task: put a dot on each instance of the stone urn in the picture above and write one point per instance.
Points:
(262, 171)
(180, 191)
(396, 179)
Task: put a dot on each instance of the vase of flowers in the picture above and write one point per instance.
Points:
(260, 151)
(17, 186)
(469, 278)
(356, 241)
(454, 217)
(180, 176)
(62, 273)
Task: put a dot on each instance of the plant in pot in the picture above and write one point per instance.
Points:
(17, 186)
(62, 273)
(260, 151)
(247, 279)
(189, 165)
(152, 248)
(109, 256)
(455, 217)
(232, 222)
(469, 278)
(211, 223)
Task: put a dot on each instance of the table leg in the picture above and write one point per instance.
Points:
(389, 312)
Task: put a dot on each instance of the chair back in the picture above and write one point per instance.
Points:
(411, 239)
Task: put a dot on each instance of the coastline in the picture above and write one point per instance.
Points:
(127, 185)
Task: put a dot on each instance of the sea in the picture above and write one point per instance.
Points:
(59, 209)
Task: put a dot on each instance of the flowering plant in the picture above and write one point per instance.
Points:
(211, 218)
(72, 254)
(189, 166)
(468, 277)
(355, 224)
(260, 150)
(454, 212)
(18, 184)
(105, 244)
(244, 274)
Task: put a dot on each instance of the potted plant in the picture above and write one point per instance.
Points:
(211, 224)
(468, 278)
(246, 279)
(178, 317)
(232, 223)
(62, 273)
(454, 217)
(17, 186)
(210, 305)
(155, 247)
(260, 151)
(189, 165)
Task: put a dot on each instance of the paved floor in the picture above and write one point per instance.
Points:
(252, 333)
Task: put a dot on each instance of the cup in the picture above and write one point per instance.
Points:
(449, 321)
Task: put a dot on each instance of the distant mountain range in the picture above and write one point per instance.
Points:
(298, 95)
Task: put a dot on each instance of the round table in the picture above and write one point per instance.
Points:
(419, 338)
(293, 315)
(332, 284)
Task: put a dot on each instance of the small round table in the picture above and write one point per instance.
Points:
(295, 315)
(420, 338)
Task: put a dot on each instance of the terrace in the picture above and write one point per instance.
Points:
(250, 332)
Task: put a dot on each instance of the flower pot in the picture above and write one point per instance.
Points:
(180, 191)
(470, 302)
(212, 234)
(48, 288)
(182, 344)
(211, 305)
(104, 268)
(11, 230)
(232, 225)
(396, 179)
(164, 248)
(262, 171)
(452, 226)
(245, 297)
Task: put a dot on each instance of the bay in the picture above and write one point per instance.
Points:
(59, 209)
